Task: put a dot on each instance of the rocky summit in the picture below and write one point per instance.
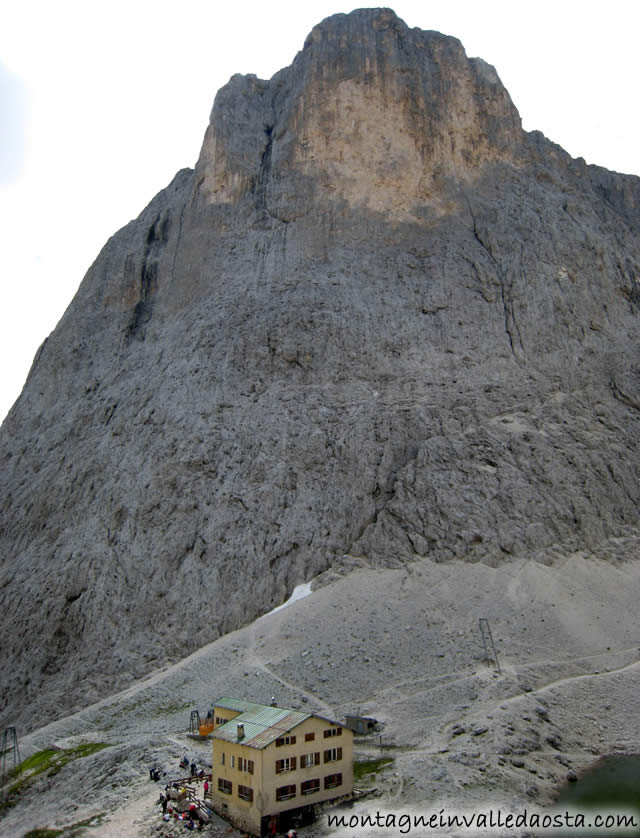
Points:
(377, 324)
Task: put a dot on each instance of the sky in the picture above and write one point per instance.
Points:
(102, 103)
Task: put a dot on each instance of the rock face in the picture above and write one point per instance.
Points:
(377, 319)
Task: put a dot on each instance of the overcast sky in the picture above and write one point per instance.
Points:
(101, 103)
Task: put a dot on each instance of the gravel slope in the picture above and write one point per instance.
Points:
(402, 645)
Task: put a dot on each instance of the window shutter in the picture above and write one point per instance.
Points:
(327, 756)
(293, 763)
(339, 753)
(293, 740)
(316, 759)
(278, 766)
(250, 766)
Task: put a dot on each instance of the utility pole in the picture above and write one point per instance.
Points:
(487, 641)
(9, 746)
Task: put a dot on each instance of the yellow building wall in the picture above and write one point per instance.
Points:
(265, 781)
(273, 781)
(242, 812)
(223, 713)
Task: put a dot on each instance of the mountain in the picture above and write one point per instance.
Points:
(378, 322)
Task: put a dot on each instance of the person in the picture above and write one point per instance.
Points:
(206, 787)
(194, 769)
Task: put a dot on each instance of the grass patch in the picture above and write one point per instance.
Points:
(51, 761)
(368, 768)
(67, 831)
(37, 762)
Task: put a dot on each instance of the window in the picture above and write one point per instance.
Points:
(245, 793)
(333, 755)
(225, 786)
(332, 780)
(221, 721)
(333, 731)
(222, 758)
(309, 786)
(285, 792)
(245, 765)
(309, 737)
(288, 764)
(285, 740)
(310, 759)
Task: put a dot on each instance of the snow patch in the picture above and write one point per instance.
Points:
(299, 592)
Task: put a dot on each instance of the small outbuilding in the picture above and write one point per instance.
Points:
(361, 725)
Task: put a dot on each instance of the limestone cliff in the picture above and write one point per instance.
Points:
(377, 319)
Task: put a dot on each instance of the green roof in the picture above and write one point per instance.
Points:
(237, 704)
(262, 724)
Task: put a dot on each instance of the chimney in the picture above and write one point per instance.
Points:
(273, 701)
(240, 731)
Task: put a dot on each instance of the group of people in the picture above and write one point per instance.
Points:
(193, 767)
(176, 792)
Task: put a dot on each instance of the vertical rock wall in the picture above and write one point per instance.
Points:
(377, 319)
